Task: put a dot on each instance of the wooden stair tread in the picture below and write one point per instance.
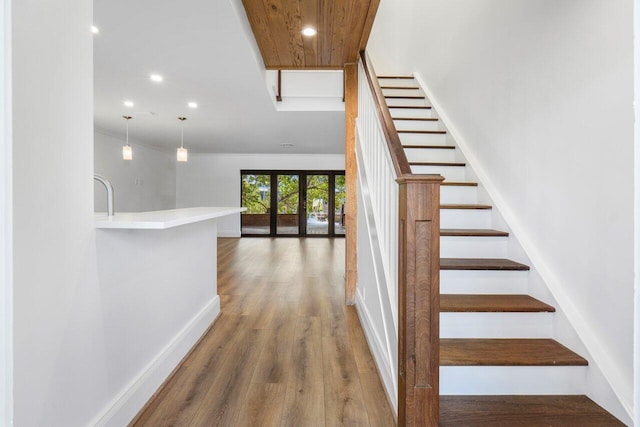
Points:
(422, 119)
(395, 77)
(431, 147)
(506, 352)
(464, 206)
(460, 303)
(400, 87)
(427, 132)
(414, 107)
(404, 97)
(523, 411)
(481, 264)
(475, 232)
(459, 184)
(437, 164)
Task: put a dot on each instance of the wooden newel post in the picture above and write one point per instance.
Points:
(419, 300)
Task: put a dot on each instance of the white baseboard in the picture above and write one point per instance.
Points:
(385, 370)
(124, 407)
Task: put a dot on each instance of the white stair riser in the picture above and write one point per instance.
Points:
(411, 112)
(417, 124)
(483, 282)
(430, 154)
(398, 82)
(423, 139)
(465, 218)
(451, 173)
(417, 102)
(498, 380)
(473, 247)
(496, 325)
(458, 194)
(402, 92)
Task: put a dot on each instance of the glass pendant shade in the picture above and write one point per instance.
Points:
(182, 154)
(127, 152)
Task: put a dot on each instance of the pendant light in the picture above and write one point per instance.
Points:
(127, 151)
(182, 154)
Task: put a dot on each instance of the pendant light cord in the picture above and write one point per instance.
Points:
(127, 118)
(182, 119)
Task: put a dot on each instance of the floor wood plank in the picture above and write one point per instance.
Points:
(304, 402)
(378, 407)
(343, 400)
(263, 405)
(285, 350)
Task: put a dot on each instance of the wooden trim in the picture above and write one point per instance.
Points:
(368, 24)
(398, 156)
(351, 243)
(418, 300)
(279, 94)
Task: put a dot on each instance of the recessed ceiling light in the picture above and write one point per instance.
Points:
(94, 29)
(128, 103)
(309, 31)
(156, 78)
(192, 105)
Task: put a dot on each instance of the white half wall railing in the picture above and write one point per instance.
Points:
(377, 169)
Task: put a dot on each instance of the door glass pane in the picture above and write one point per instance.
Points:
(288, 199)
(318, 204)
(340, 198)
(256, 197)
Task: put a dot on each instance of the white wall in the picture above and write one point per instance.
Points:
(636, 388)
(214, 179)
(90, 338)
(59, 356)
(541, 94)
(158, 295)
(145, 183)
(6, 257)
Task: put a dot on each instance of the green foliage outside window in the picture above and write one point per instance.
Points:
(256, 193)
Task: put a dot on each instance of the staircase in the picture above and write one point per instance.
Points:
(498, 364)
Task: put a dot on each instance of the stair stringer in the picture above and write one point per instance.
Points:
(604, 380)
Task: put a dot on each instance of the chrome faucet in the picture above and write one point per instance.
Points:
(109, 188)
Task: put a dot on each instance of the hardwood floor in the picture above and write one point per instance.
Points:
(285, 351)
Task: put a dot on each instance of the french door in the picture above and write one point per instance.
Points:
(293, 203)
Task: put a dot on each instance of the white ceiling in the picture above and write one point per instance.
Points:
(205, 51)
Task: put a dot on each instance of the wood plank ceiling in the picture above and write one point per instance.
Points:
(343, 28)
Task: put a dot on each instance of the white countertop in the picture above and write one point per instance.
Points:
(159, 220)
